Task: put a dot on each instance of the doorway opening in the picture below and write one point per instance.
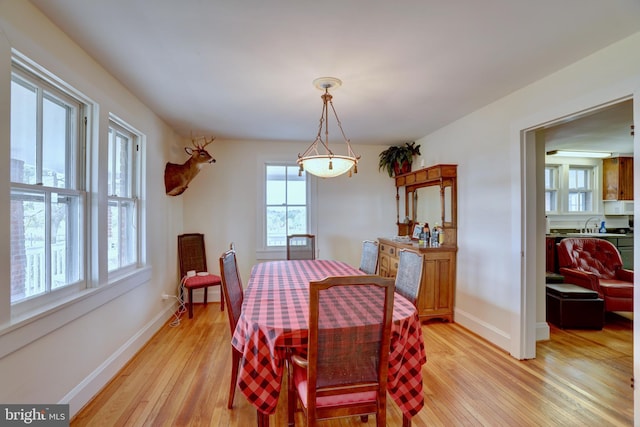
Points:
(582, 130)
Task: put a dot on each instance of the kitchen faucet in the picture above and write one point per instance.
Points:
(586, 223)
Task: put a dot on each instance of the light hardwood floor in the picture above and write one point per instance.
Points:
(579, 378)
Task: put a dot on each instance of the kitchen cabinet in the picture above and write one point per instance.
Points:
(437, 288)
(625, 247)
(617, 178)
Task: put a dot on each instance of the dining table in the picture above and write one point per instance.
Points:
(274, 322)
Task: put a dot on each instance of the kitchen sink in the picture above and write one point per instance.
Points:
(596, 234)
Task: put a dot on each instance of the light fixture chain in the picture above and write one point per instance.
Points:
(327, 165)
(344, 136)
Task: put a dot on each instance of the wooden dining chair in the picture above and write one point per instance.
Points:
(369, 257)
(334, 380)
(301, 246)
(409, 274)
(233, 295)
(193, 258)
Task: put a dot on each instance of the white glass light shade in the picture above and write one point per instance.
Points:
(319, 165)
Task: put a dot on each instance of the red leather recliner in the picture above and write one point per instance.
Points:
(596, 264)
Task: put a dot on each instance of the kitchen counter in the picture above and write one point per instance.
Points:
(596, 235)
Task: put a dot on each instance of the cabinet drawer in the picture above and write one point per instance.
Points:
(389, 250)
(625, 242)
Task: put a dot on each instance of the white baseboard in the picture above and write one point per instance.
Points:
(543, 332)
(86, 390)
(489, 332)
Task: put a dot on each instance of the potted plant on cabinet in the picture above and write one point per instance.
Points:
(397, 159)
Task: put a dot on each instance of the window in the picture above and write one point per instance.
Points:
(48, 200)
(570, 187)
(287, 204)
(551, 188)
(580, 198)
(122, 190)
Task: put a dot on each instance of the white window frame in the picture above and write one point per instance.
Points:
(264, 252)
(563, 190)
(553, 190)
(587, 190)
(75, 186)
(133, 193)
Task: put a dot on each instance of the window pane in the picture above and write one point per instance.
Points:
(28, 259)
(121, 234)
(550, 201)
(23, 132)
(579, 179)
(296, 187)
(549, 181)
(276, 224)
(580, 201)
(67, 258)
(297, 220)
(120, 164)
(276, 185)
(56, 118)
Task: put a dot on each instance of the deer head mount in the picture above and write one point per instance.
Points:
(177, 177)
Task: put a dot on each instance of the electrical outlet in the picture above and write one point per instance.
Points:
(165, 296)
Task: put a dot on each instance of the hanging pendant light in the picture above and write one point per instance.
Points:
(318, 159)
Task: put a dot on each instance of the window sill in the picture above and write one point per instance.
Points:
(271, 254)
(21, 331)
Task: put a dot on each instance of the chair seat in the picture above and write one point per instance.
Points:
(616, 288)
(196, 282)
(300, 379)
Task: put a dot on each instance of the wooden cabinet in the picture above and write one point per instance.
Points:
(387, 259)
(430, 195)
(617, 178)
(437, 289)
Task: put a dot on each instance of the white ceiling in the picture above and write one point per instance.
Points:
(607, 129)
(244, 69)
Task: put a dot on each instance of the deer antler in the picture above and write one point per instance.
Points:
(204, 138)
(207, 142)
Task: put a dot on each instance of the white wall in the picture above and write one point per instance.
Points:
(73, 361)
(223, 202)
(487, 148)
(83, 352)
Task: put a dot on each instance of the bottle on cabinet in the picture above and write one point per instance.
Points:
(435, 236)
(427, 234)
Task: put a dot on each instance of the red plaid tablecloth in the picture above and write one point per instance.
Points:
(275, 316)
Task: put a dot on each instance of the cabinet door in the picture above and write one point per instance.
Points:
(626, 253)
(617, 177)
(387, 260)
(625, 247)
(436, 294)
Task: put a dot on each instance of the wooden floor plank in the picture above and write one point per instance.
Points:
(579, 378)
